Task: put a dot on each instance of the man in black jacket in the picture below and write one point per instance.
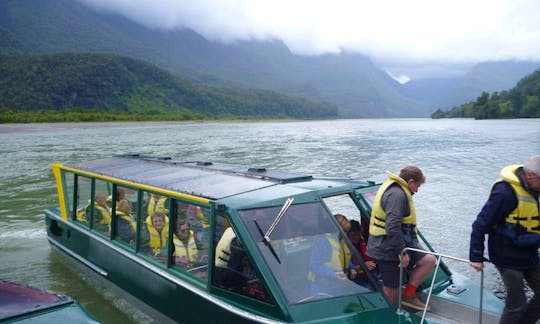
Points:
(510, 217)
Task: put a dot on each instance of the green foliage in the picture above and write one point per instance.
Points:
(522, 101)
(122, 88)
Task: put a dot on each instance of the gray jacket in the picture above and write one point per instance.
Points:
(398, 236)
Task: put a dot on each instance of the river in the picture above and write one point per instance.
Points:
(461, 159)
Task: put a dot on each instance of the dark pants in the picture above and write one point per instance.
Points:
(517, 310)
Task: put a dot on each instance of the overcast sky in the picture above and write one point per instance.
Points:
(405, 37)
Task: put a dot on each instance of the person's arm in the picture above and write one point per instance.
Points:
(321, 253)
(501, 202)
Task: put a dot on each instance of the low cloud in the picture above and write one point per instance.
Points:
(393, 33)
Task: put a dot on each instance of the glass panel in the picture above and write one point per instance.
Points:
(233, 268)
(344, 205)
(155, 226)
(84, 195)
(306, 252)
(126, 217)
(101, 211)
(155, 202)
(190, 239)
(69, 190)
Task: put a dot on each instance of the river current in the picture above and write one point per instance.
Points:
(461, 158)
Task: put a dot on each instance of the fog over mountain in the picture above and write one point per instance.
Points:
(409, 39)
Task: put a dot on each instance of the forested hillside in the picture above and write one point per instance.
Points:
(522, 101)
(348, 80)
(112, 83)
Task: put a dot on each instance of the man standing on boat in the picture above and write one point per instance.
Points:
(510, 217)
(392, 228)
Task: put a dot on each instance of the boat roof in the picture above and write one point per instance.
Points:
(202, 178)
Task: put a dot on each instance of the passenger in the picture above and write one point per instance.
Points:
(185, 248)
(222, 256)
(392, 228)
(360, 244)
(157, 202)
(120, 195)
(510, 219)
(241, 276)
(330, 261)
(203, 234)
(155, 234)
(126, 226)
(102, 214)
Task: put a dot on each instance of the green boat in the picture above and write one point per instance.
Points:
(24, 304)
(204, 242)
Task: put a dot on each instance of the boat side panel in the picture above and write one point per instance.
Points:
(141, 281)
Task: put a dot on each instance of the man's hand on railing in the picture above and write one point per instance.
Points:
(404, 261)
(478, 266)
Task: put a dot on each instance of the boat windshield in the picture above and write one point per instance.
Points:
(305, 251)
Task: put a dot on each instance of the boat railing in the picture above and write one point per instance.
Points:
(438, 262)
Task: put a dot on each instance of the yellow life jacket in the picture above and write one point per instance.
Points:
(223, 248)
(128, 219)
(190, 251)
(377, 223)
(157, 205)
(340, 258)
(105, 214)
(157, 239)
(527, 212)
(81, 214)
(203, 218)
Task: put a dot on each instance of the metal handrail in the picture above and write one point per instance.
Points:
(439, 255)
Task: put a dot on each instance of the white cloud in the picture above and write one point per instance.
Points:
(392, 32)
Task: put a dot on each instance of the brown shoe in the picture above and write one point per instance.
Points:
(413, 302)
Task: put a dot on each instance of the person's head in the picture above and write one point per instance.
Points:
(182, 229)
(120, 194)
(531, 170)
(158, 220)
(355, 232)
(101, 198)
(413, 176)
(343, 222)
(124, 206)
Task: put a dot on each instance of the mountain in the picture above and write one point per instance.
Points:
(489, 77)
(521, 101)
(111, 82)
(350, 81)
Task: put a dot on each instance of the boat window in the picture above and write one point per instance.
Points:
(190, 238)
(233, 267)
(154, 231)
(344, 205)
(83, 200)
(69, 188)
(124, 204)
(305, 252)
(154, 202)
(101, 211)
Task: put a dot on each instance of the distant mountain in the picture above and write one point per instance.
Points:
(489, 77)
(114, 83)
(350, 81)
(429, 90)
(521, 101)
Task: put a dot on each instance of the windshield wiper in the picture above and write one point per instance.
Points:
(267, 242)
(278, 218)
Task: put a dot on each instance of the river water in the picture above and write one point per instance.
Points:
(461, 159)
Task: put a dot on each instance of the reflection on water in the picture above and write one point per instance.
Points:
(460, 158)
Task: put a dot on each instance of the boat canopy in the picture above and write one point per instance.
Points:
(204, 179)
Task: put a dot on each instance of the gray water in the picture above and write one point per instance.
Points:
(460, 158)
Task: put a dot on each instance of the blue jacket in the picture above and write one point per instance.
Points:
(502, 252)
